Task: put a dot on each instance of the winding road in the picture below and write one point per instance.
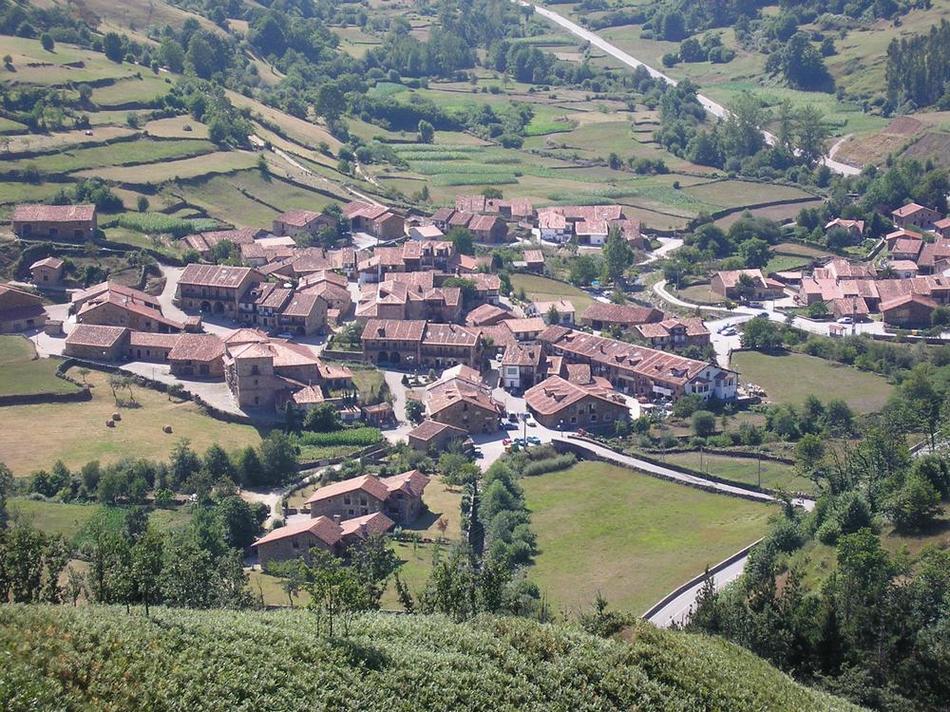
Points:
(714, 108)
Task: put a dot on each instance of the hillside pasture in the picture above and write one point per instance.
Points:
(76, 432)
(791, 377)
(628, 536)
(213, 163)
(124, 153)
(22, 373)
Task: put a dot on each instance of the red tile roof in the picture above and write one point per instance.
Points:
(95, 335)
(215, 275)
(394, 330)
(323, 528)
(370, 484)
(623, 314)
(554, 394)
(197, 347)
(53, 213)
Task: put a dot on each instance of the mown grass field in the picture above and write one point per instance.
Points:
(631, 537)
(791, 377)
(21, 373)
(36, 436)
(775, 475)
(207, 164)
(540, 288)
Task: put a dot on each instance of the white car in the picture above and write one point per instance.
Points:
(846, 320)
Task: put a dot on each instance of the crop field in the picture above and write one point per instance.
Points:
(118, 154)
(540, 288)
(736, 193)
(631, 537)
(775, 475)
(21, 373)
(156, 223)
(76, 432)
(216, 162)
(791, 377)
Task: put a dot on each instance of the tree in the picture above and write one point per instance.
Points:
(46, 40)
(553, 316)
(839, 420)
(325, 418)
(617, 256)
(278, 456)
(112, 46)
(583, 270)
(704, 423)
(331, 102)
(415, 410)
(142, 204)
(6, 486)
(761, 335)
(809, 452)
(755, 253)
(183, 462)
(426, 133)
(218, 464)
(746, 285)
(146, 566)
(914, 504)
(172, 55)
(200, 56)
(462, 239)
(240, 521)
(811, 132)
(335, 590)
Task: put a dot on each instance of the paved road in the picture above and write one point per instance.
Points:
(714, 108)
(667, 245)
(679, 609)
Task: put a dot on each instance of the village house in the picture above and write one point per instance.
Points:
(20, 310)
(729, 285)
(674, 333)
(560, 404)
(433, 436)
(903, 269)
(487, 315)
(446, 345)
(393, 341)
(204, 242)
(602, 316)
(469, 264)
(553, 227)
(907, 248)
(488, 229)
(854, 228)
(376, 220)
(591, 232)
(150, 346)
(74, 223)
(303, 315)
(392, 299)
(93, 342)
(534, 261)
(564, 309)
(302, 224)
(110, 304)
(398, 497)
(461, 399)
(931, 254)
(590, 223)
(638, 370)
(526, 330)
(426, 232)
(216, 289)
(916, 216)
(47, 272)
(521, 366)
(942, 227)
(908, 311)
(296, 539)
(517, 209)
(197, 355)
(333, 289)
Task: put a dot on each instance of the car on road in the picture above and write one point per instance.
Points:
(846, 320)
(730, 331)
(534, 440)
(762, 315)
(530, 423)
(506, 442)
(477, 454)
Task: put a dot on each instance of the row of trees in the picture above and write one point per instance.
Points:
(130, 480)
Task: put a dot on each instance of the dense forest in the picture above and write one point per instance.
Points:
(918, 69)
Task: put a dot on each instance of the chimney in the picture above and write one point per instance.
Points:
(336, 518)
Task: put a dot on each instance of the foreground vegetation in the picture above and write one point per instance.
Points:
(224, 659)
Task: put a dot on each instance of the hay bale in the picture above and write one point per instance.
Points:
(117, 416)
(110, 423)
(166, 429)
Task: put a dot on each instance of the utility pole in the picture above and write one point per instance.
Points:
(759, 458)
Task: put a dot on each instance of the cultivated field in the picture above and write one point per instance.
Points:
(631, 537)
(70, 520)
(791, 377)
(36, 436)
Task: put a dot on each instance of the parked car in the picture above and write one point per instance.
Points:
(762, 315)
(506, 441)
(534, 440)
(846, 320)
(530, 423)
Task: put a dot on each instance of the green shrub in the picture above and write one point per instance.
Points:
(551, 464)
(354, 437)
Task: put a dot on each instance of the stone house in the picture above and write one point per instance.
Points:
(431, 435)
(561, 404)
(727, 284)
(601, 316)
(98, 343)
(335, 535)
(301, 223)
(197, 355)
(47, 272)
(76, 223)
(913, 216)
(216, 289)
(398, 497)
(20, 310)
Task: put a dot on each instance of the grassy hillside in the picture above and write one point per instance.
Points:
(100, 658)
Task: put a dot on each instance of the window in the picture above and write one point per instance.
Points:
(347, 500)
(363, 501)
(294, 543)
